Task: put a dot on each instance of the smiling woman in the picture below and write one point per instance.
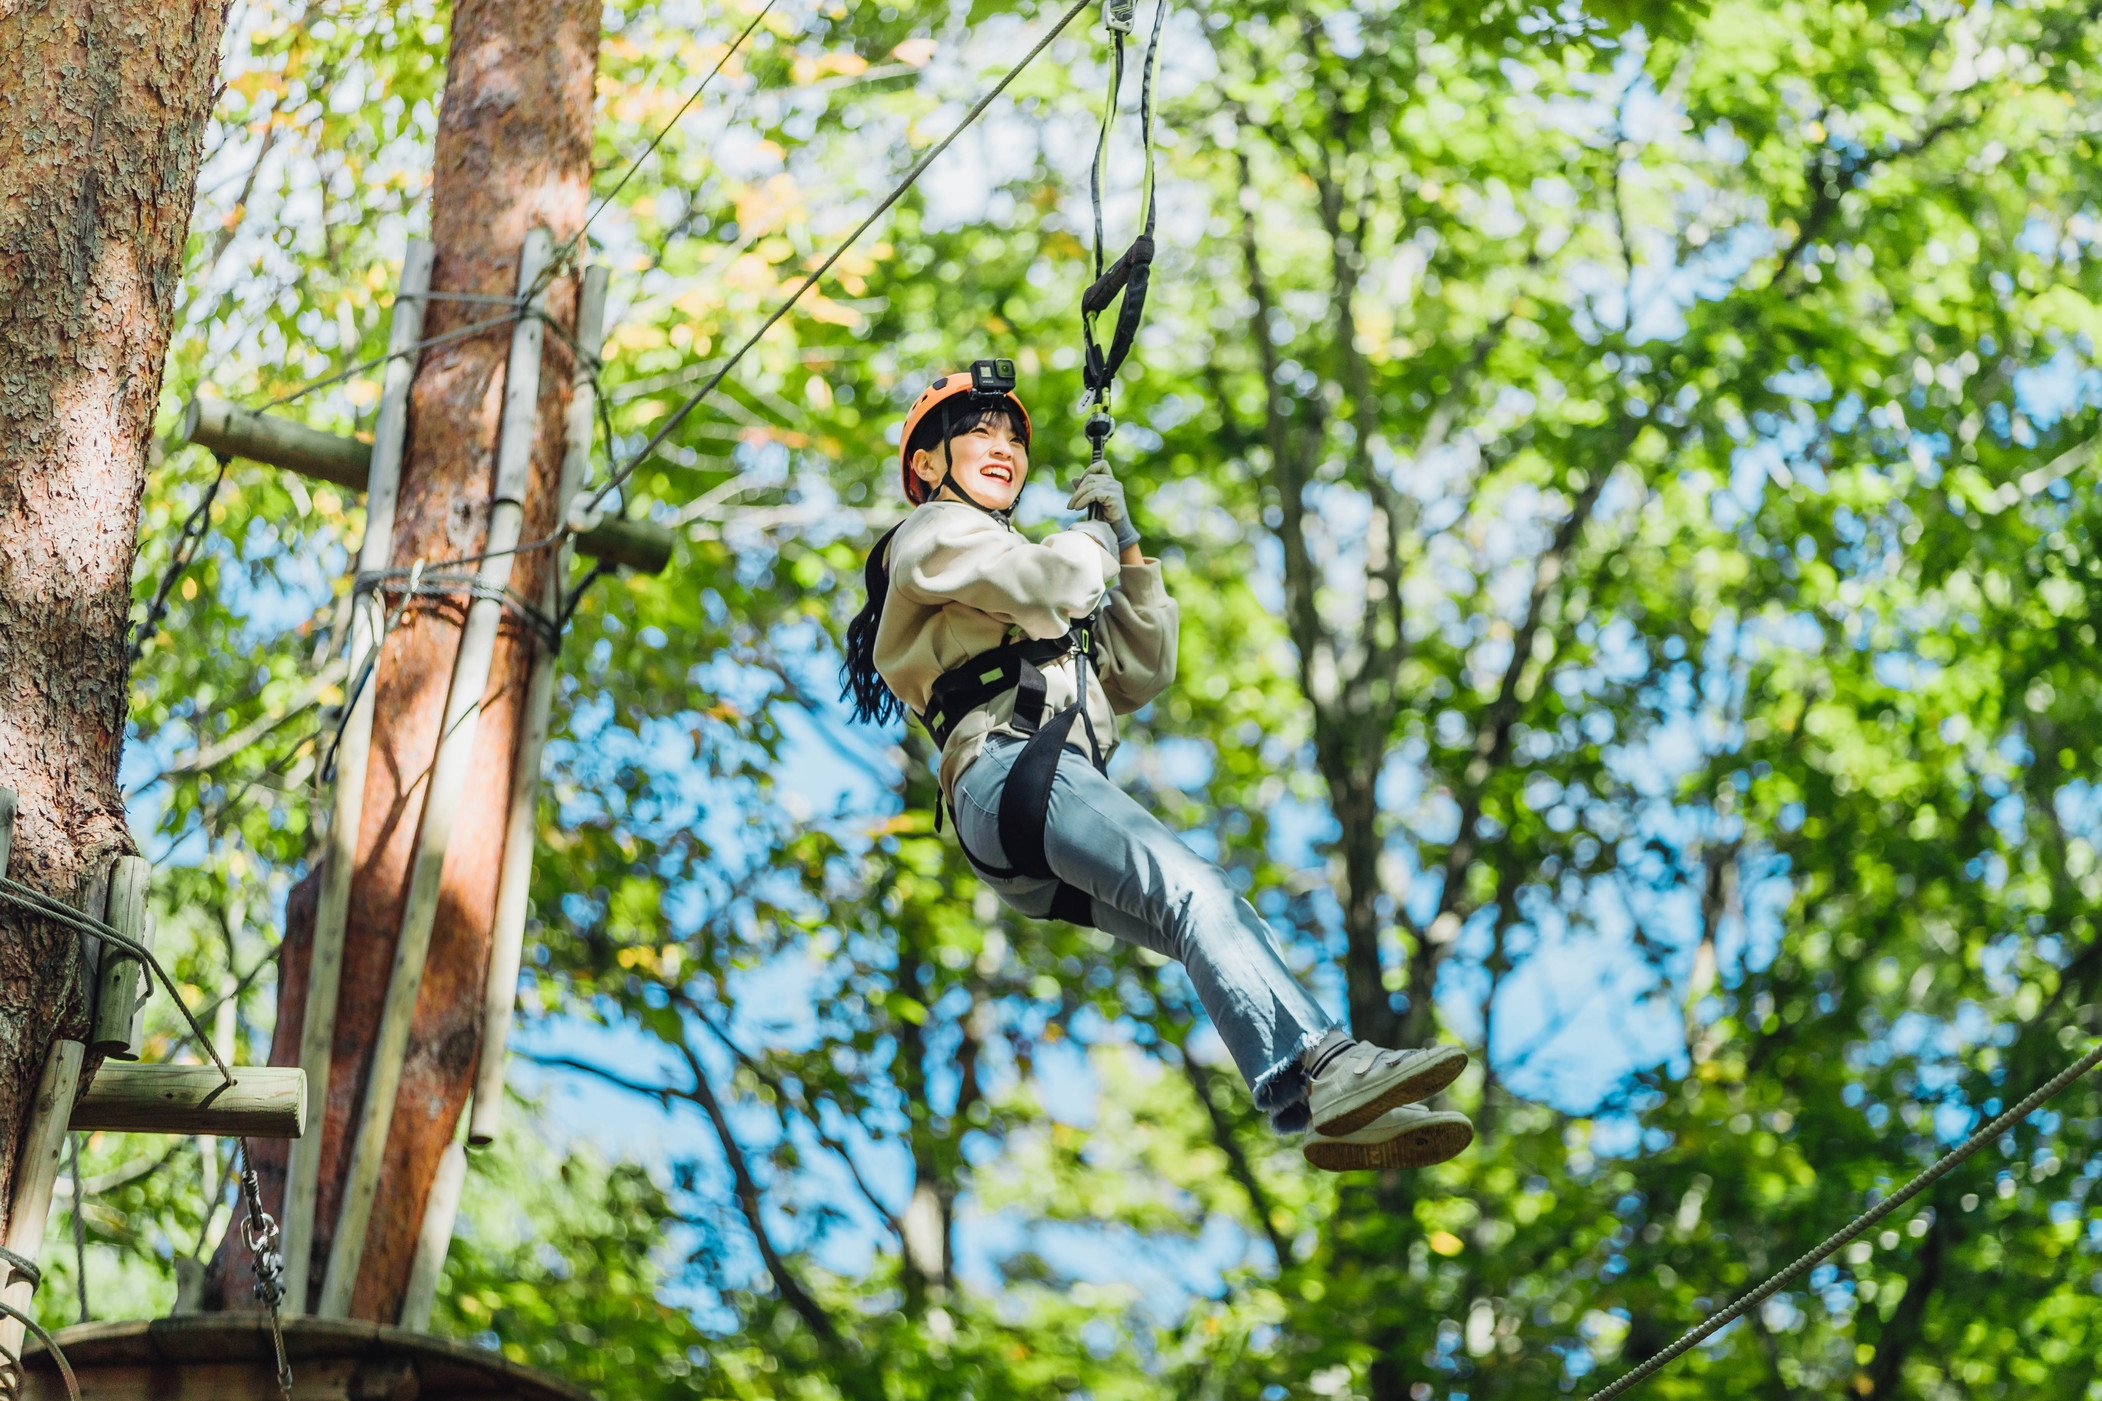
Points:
(999, 647)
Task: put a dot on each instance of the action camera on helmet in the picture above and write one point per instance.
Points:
(995, 377)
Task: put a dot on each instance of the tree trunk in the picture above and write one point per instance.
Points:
(513, 153)
(105, 106)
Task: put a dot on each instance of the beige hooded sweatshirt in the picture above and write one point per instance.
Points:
(962, 583)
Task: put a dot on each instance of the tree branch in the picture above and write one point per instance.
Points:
(1200, 1078)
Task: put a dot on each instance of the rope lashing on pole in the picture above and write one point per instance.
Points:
(37, 902)
(1939, 1169)
(911, 177)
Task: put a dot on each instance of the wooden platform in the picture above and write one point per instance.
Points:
(228, 1357)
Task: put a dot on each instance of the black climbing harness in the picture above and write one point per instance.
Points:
(1025, 800)
(1132, 272)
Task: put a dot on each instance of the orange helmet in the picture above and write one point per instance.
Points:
(998, 376)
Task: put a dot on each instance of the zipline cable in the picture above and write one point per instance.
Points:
(563, 253)
(1941, 1168)
(679, 415)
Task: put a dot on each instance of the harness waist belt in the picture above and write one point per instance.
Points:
(1017, 666)
(1025, 801)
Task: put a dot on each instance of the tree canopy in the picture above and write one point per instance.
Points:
(1629, 477)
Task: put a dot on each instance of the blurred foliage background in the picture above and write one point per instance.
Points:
(1629, 474)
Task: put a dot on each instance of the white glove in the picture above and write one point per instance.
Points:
(1100, 487)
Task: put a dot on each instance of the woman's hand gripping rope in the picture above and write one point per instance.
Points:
(1099, 487)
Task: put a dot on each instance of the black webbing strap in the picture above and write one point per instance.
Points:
(1025, 801)
(1025, 816)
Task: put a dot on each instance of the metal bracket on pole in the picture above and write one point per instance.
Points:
(442, 787)
(317, 1038)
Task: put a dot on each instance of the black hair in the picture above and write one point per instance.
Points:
(860, 682)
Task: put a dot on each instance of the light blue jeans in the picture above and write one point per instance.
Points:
(1151, 890)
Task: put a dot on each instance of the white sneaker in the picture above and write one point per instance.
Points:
(1365, 1081)
(1404, 1137)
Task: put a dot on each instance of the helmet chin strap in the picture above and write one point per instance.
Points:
(949, 482)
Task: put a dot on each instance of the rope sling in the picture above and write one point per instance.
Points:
(1132, 273)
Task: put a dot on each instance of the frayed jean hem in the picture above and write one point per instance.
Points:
(1281, 1091)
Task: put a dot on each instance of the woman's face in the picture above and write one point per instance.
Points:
(991, 464)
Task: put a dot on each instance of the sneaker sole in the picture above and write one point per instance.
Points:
(1433, 1143)
(1433, 1076)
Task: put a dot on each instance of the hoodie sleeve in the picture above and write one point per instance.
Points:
(1137, 660)
(959, 555)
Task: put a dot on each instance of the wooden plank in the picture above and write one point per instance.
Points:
(265, 1101)
(643, 546)
(317, 1029)
(442, 789)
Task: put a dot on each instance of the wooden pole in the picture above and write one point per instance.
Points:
(643, 546)
(35, 1173)
(232, 431)
(434, 1240)
(516, 877)
(317, 1032)
(265, 1101)
(36, 1166)
(442, 788)
(119, 985)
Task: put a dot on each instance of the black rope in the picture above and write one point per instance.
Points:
(36, 901)
(1941, 1168)
(911, 177)
(577, 239)
(193, 529)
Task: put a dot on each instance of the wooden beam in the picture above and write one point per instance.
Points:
(643, 546)
(265, 1101)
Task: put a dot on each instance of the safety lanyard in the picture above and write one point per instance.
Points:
(1130, 273)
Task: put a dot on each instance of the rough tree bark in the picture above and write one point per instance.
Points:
(106, 104)
(513, 152)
